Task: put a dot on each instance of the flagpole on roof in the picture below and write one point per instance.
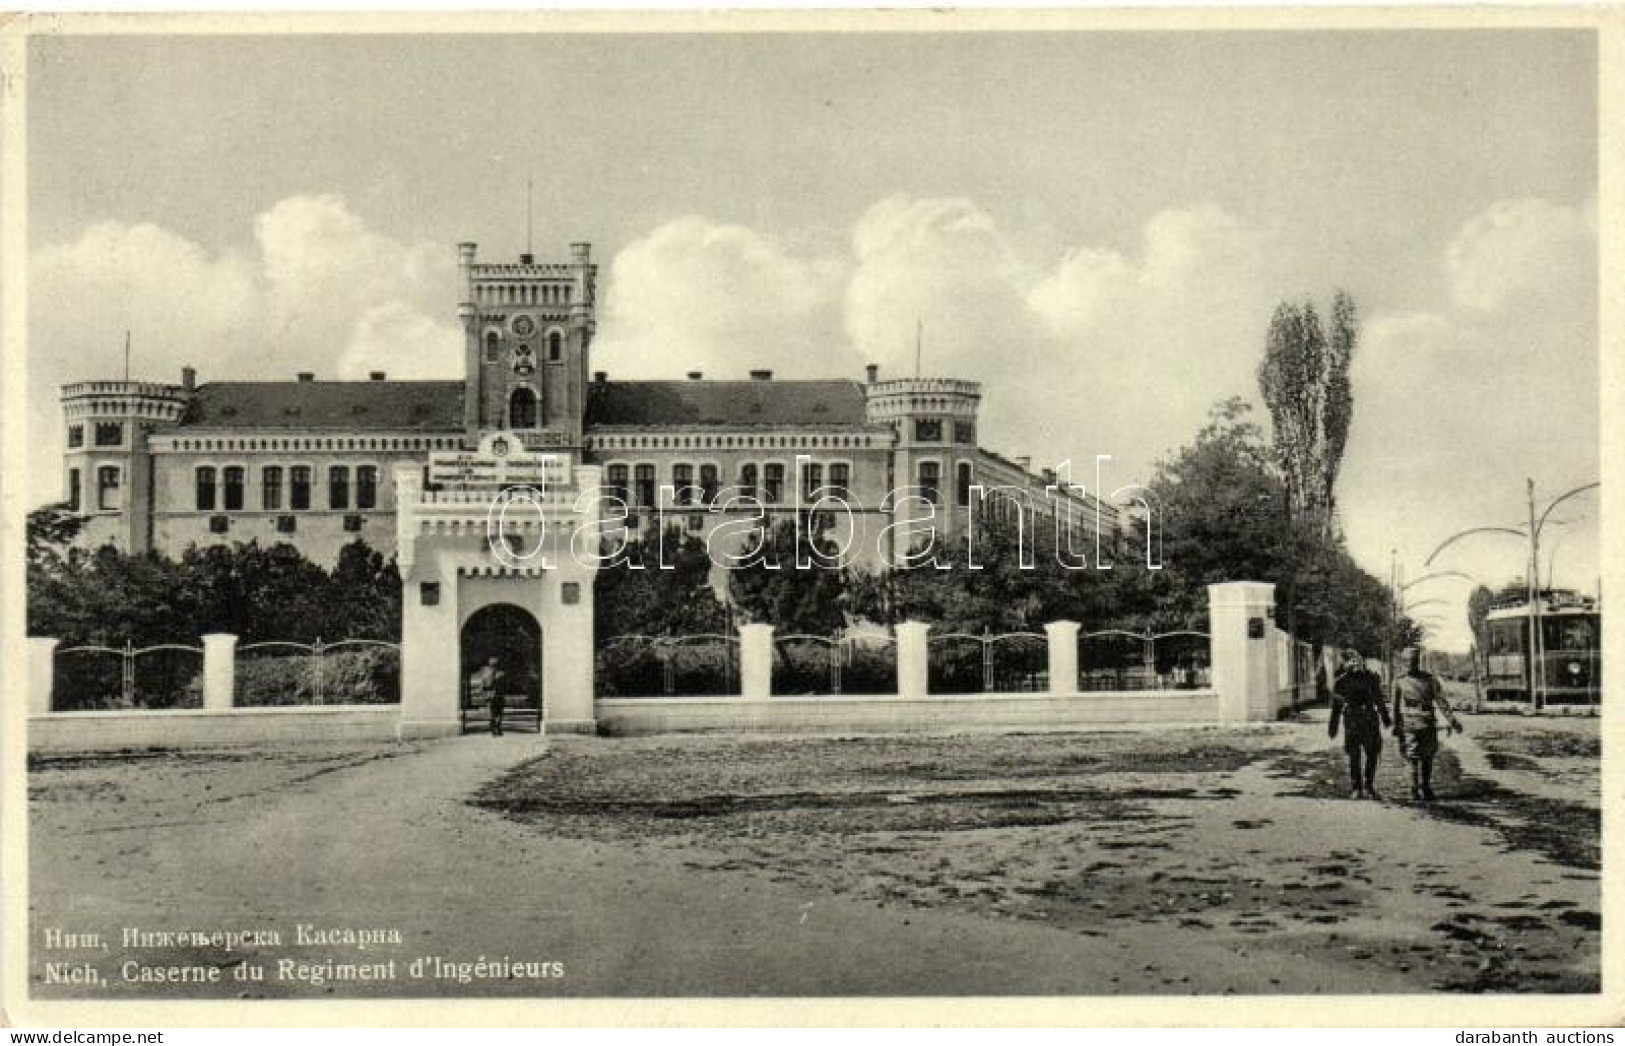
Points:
(919, 339)
(126, 355)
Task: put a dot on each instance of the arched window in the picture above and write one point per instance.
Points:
(522, 409)
(555, 345)
(492, 350)
(233, 477)
(366, 486)
(271, 487)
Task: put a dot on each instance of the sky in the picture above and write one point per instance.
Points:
(1095, 225)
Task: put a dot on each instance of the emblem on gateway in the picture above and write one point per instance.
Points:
(499, 448)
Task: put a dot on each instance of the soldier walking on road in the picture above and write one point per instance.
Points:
(1357, 702)
(1418, 702)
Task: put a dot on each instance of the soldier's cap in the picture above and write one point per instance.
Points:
(1351, 654)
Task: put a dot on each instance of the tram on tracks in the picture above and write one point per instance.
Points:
(1563, 674)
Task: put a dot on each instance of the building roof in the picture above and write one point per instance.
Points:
(725, 403)
(362, 405)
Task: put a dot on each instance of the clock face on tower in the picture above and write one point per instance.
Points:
(524, 326)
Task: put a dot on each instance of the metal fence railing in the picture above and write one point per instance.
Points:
(667, 666)
(1117, 659)
(91, 676)
(347, 672)
(1008, 662)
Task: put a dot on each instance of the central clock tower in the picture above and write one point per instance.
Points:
(527, 330)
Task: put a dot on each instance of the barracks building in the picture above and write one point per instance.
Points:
(317, 463)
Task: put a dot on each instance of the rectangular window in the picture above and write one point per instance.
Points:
(840, 479)
(645, 477)
(928, 430)
(352, 523)
(931, 481)
(812, 480)
(366, 486)
(709, 484)
(76, 436)
(271, 488)
(299, 487)
(338, 487)
(965, 432)
(286, 524)
(682, 478)
(747, 480)
(73, 490)
(772, 482)
(108, 494)
(205, 488)
(219, 524)
(109, 434)
(962, 485)
(233, 477)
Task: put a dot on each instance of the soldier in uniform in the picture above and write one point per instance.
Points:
(1357, 703)
(1418, 702)
(484, 685)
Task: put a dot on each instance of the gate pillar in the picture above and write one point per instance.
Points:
(755, 662)
(41, 674)
(1063, 656)
(1242, 625)
(219, 671)
(913, 659)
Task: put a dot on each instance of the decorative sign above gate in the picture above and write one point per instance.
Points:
(500, 461)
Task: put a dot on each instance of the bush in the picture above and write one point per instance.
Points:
(349, 676)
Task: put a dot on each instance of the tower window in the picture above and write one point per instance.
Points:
(930, 481)
(772, 482)
(522, 409)
(73, 490)
(555, 345)
(299, 487)
(109, 434)
(928, 430)
(271, 487)
(108, 494)
(962, 485)
(76, 436)
(493, 350)
(205, 488)
(645, 476)
(233, 476)
(964, 432)
(366, 486)
(338, 487)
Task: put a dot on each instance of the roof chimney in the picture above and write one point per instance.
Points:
(188, 378)
(306, 375)
(1049, 476)
(761, 375)
(600, 376)
(873, 370)
(527, 259)
(1025, 461)
(695, 375)
(376, 375)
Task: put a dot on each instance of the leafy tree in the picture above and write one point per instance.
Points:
(1304, 379)
(1478, 612)
(51, 529)
(796, 583)
(636, 597)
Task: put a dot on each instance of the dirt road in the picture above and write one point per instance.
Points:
(1174, 862)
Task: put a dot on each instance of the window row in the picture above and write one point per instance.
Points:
(929, 430)
(108, 434)
(523, 293)
(109, 489)
(225, 486)
(636, 484)
(493, 347)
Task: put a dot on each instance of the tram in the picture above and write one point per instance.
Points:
(1567, 676)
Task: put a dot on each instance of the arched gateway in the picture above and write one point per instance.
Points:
(501, 540)
(511, 638)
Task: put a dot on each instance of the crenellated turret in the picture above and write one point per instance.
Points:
(107, 465)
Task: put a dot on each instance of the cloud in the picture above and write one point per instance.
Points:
(719, 298)
(1522, 253)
